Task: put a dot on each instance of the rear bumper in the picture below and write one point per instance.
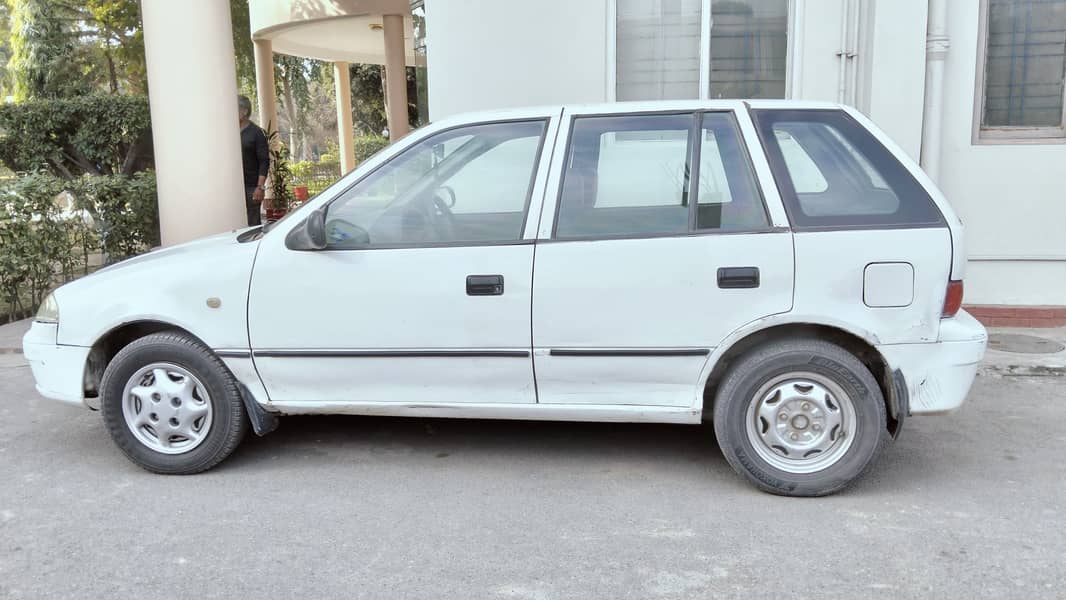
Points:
(58, 370)
(939, 374)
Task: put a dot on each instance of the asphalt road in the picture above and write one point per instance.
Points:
(964, 506)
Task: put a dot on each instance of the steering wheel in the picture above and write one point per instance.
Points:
(440, 214)
(451, 195)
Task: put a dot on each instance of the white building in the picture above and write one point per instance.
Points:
(971, 88)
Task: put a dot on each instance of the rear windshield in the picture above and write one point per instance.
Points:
(832, 172)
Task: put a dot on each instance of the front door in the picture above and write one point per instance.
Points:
(422, 295)
(659, 247)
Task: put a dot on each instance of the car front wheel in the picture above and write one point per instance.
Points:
(800, 417)
(171, 405)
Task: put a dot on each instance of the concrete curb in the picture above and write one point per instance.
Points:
(1021, 371)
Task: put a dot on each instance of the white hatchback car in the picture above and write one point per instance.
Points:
(780, 268)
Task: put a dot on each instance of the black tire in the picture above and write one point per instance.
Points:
(775, 359)
(228, 422)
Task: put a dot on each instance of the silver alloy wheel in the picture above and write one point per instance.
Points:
(167, 408)
(801, 422)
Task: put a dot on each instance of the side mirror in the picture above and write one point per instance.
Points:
(310, 234)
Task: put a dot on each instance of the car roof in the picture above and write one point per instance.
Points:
(641, 106)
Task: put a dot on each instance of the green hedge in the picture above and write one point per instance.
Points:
(52, 228)
(94, 135)
(367, 145)
(125, 211)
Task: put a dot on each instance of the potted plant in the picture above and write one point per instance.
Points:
(281, 197)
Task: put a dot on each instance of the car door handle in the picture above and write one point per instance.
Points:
(484, 285)
(732, 278)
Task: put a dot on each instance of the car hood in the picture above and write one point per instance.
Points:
(209, 244)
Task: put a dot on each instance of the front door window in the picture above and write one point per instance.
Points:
(465, 185)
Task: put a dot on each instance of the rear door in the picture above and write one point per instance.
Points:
(655, 243)
(872, 248)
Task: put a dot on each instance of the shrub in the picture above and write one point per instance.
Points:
(95, 135)
(40, 242)
(367, 145)
(49, 226)
(126, 212)
(302, 169)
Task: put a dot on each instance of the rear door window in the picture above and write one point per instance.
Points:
(832, 172)
(637, 175)
(626, 175)
(728, 198)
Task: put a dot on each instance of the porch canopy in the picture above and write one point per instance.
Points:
(341, 32)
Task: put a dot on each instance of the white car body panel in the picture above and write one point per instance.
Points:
(497, 410)
(939, 375)
(345, 311)
(655, 294)
(57, 369)
(403, 300)
(830, 271)
(170, 286)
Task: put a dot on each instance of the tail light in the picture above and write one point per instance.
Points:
(953, 299)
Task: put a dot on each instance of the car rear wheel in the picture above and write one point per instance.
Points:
(800, 417)
(171, 405)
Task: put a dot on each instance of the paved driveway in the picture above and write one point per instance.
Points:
(969, 505)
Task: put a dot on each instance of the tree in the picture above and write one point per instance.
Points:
(368, 98)
(119, 39)
(5, 47)
(43, 40)
(67, 48)
(243, 50)
(292, 77)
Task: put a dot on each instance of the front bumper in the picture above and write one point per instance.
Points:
(939, 374)
(58, 370)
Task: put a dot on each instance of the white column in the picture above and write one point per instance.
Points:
(395, 77)
(264, 84)
(342, 79)
(267, 95)
(192, 84)
(937, 43)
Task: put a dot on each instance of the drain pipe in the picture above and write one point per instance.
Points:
(936, 51)
(847, 69)
(846, 53)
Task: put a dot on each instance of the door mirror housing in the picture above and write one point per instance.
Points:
(309, 234)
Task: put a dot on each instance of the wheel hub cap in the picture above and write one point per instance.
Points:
(167, 408)
(800, 422)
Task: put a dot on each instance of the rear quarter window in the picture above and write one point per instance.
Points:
(833, 173)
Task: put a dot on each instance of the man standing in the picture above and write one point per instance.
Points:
(255, 156)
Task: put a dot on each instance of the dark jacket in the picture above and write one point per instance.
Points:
(254, 154)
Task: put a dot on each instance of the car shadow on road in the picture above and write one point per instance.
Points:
(331, 438)
(689, 450)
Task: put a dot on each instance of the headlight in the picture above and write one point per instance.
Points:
(49, 311)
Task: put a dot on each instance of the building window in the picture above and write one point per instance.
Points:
(688, 49)
(658, 49)
(1024, 67)
(749, 45)
(418, 28)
